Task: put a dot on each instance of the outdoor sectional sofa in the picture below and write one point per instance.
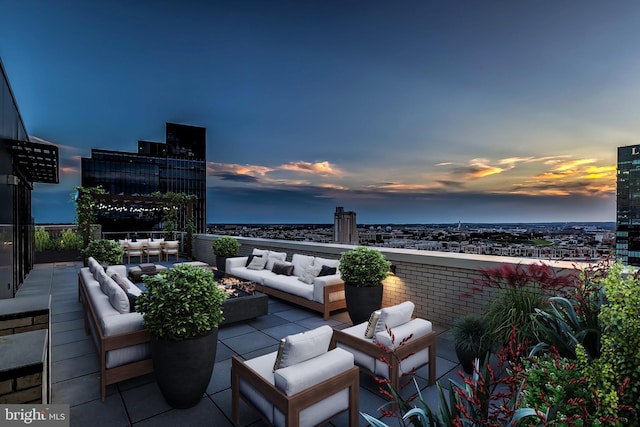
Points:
(323, 293)
(121, 340)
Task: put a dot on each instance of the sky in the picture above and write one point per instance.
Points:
(429, 111)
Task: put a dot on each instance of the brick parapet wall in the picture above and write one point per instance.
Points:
(23, 322)
(434, 281)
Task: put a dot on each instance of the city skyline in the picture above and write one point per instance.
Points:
(418, 112)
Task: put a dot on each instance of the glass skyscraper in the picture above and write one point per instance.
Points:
(628, 205)
(179, 166)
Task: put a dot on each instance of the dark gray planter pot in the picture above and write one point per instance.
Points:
(183, 368)
(362, 301)
(221, 263)
(467, 358)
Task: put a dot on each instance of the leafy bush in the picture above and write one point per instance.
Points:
(182, 303)
(469, 332)
(104, 251)
(518, 290)
(42, 239)
(226, 246)
(617, 367)
(363, 267)
(69, 240)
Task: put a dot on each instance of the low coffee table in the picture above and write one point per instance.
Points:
(136, 273)
(244, 302)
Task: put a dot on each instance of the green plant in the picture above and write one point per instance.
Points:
(104, 251)
(363, 266)
(470, 333)
(184, 302)
(69, 240)
(86, 205)
(42, 239)
(226, 246)
(617, 367)
(175, 210)
(513, 306)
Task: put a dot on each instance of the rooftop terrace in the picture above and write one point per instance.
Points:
(138, 402)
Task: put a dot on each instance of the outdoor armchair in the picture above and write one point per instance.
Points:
(410, 346)
(301, 384)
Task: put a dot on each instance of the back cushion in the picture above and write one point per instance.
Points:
(393, 316)
(306, 345)
(301, 263)
(260, 252)
(275, 257)
(328, 262)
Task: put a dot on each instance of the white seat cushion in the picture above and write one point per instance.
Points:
(361, 359)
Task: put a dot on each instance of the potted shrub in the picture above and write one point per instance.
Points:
(182, 309)
(225, 247)
(471, 338)
(104, 251)
(363, 270)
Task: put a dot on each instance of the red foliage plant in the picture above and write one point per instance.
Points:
(518, 275)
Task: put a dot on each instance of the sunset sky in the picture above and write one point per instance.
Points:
(422, 111)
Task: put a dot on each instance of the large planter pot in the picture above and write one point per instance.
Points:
(362, 301)
(221, 263)
(467, 358)
(183, 368)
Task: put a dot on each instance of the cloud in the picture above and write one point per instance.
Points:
(479, 168)
(322, 168)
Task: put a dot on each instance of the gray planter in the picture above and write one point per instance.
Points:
(362, 301)
(183, 368)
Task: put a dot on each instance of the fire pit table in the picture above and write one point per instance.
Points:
(244, 302)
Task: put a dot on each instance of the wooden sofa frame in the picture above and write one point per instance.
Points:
(112, 342)
(291, 406)
(393, 358)
(325, 307)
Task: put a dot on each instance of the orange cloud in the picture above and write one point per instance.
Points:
(478, 168)
(322, 168)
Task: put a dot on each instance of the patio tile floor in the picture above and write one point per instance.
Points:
(138, 402)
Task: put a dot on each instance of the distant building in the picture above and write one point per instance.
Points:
(179, 166)
(628, 205)
(345, 229)
(22, 163)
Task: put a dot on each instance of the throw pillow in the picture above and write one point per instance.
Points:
(120, 281)
(305, 346)
(325, 261)
(249, 259)
(257, 263)
(371, 326)
(393, 316)
(260, 252)
(283, 268)
(327, 271)
(279, 355)
(117, 297)
(275, 257)
(132, 302)
(309, 274)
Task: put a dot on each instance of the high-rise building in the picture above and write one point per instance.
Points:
(178, 166)
(345, 229)
(22, 163)
(628, 205)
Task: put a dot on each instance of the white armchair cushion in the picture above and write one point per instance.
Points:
(305, 345)
(416, 328)
(308, 373)
(361, 359)
(394, 316)
(301, 264)
(117, 296)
